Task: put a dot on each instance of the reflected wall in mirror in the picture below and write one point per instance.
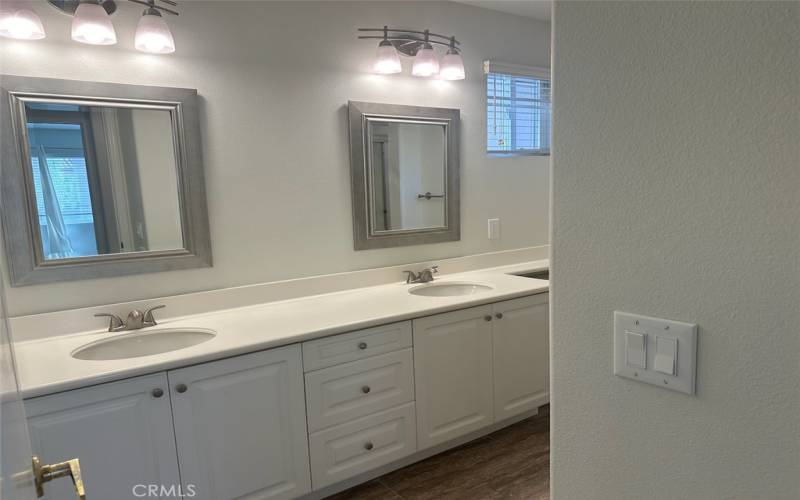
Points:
(100, 180)
(408, 175)
(404, 169)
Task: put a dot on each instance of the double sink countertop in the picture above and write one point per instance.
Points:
(46, 366)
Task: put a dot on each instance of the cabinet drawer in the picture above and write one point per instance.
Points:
(344, 392)
(355, 447)
(347, 347)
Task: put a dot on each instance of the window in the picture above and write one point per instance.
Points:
(62, 188)
(517, 109)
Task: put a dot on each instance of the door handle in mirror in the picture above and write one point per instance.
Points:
(46, 473)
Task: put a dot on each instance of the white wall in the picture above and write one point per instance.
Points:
(676, 180)
(274, 78)
(155, 165)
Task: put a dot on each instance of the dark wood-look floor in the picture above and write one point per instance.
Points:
(512, 463)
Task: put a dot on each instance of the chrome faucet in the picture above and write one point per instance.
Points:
(424, 276)
(136, 320)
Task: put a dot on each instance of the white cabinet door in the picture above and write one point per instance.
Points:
(121, 432)
(240, 426)
(453, 374)
(521, 355)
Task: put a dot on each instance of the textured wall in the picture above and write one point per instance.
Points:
(274, 78)
(676, 183)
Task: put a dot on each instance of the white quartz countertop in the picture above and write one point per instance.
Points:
(46, 366)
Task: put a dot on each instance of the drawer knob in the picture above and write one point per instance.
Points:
(368, 446)
(362, 345)
(499, 315)
(488, 317)
(365, 389)
(157, 392)
(181, 388)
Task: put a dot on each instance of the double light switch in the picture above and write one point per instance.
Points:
(656, 351)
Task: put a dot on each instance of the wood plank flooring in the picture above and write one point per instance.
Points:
(512, 463)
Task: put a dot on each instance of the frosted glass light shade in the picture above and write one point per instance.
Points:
(153, 35)
(452, 66)
(92, 25)
(425, 62)
(22, 24)
(387, 60)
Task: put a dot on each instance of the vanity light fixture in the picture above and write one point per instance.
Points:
(387, 60)
(420, 46)
(92, 24)
(152, 33)
(452, 66)
(18, 22)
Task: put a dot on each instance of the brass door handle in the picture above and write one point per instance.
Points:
(46, 473)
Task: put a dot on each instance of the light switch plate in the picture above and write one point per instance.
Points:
(494, 229)
(653, 330)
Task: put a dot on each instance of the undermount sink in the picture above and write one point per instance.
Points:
(142, 343)
(449, 289)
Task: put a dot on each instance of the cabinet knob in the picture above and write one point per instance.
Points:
(488, 317)
(181, 388)
(157, 392)
(368, 446)
(499, 315)
(365, 389)
(362, 345)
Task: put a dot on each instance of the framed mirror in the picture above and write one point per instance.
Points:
(100, 179)
(404, 168)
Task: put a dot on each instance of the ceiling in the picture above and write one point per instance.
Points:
(536, 9)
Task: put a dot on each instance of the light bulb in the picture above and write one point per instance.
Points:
(19, 23)
(425, 62)
(387, 61)
(153, 34)
(92, 25)
(452, 66)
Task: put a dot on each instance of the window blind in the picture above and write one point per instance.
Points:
(518, 109)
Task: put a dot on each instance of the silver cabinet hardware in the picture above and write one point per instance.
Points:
(368, 446)
(157, 392)
(181, 388)
(488, 317)
(362, 345)
(499, 315)
(365, 389)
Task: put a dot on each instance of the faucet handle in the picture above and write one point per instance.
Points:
(434, 269)
(410, 276)
(115, 323)
(149, 320)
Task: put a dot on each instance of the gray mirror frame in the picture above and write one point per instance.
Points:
(26, 266)
(364, 238)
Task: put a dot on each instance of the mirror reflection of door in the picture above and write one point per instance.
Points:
(380, 166)
(407, 166)
(104, 179)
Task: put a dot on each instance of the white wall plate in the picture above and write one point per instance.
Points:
(669, 351)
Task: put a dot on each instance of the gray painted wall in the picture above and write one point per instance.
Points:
(676, 177)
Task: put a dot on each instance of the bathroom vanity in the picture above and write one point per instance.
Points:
(306, 412)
